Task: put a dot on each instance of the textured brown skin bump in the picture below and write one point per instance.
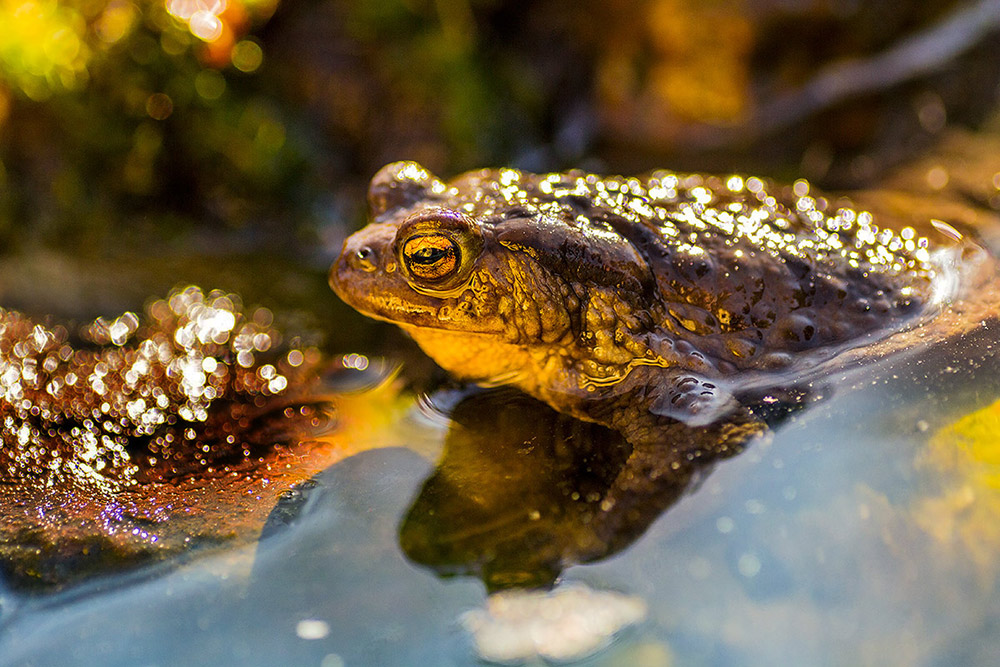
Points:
(631, 301)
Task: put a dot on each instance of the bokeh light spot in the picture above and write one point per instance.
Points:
(247, 56)
(62, 46)
(174, 42)
(270, 136)
(159, 106)
(210, 84)
(116, 21)
(205, 25)
(182, 9)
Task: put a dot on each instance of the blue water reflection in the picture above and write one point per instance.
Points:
(812, 547)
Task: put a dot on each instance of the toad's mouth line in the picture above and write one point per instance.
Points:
(392, 309)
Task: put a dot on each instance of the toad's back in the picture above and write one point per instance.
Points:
(750, 270)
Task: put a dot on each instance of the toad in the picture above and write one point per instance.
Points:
(634, 302)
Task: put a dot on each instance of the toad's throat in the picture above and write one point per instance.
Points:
(471, 356)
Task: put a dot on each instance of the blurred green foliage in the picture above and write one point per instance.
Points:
(145, 119)
(118, 118)
(110, 111)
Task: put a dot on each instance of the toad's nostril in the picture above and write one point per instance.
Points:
(364, 258)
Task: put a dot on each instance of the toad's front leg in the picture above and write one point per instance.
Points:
(673, 407)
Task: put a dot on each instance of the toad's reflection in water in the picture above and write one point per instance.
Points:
(522, 491)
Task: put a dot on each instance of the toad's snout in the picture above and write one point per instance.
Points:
(364, 254)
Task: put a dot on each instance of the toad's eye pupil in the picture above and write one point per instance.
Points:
(428, 255)
(431, 257)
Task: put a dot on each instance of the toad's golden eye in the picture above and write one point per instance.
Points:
(431, 257)
(437, 250)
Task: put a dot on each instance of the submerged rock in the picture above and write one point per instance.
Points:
(567, 623)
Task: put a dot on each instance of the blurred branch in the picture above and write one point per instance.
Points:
(918, 55)
(921, 54)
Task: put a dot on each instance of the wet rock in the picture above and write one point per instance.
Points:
(140, 437)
